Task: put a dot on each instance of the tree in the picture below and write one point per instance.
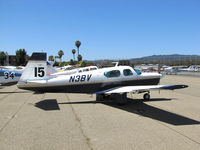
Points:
(21, 57)
(60, 54)
(2, 58)
(51, 58)
(63, 63)
(71, 62)
(82, 63)
(124, 62)
(55, 63)
(79, 58)
(73, 52)
(78, 44)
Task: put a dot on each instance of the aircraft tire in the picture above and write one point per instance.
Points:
(146, 96)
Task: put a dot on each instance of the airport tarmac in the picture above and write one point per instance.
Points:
(190, 74)
(169, 121)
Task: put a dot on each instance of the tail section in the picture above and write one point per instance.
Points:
(36, 68)
(50, 70)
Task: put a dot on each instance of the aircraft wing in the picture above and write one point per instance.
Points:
(128, 89)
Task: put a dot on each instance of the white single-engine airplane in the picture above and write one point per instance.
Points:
(113, 81)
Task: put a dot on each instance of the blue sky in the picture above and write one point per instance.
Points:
(108, 29)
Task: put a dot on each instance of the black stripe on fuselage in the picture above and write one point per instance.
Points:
(94, 87)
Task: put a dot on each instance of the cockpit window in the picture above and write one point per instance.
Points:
(138, 72)
(127, 72)
(84, 70)
(93, 68)
(113, 73)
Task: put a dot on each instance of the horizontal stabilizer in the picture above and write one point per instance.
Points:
(38, 81)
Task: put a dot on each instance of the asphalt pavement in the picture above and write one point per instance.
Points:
(170, 120)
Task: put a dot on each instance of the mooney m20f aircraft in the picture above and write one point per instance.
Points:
(114, 81)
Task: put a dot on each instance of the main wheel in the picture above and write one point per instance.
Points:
(146, 96)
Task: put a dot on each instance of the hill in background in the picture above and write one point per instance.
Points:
(174, 59)
(165, 58)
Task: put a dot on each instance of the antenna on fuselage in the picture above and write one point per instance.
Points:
(116, 63)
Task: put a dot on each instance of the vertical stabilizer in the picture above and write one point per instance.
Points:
(37, 68)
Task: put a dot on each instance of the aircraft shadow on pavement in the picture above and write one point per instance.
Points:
(145, 110)
(15, 92)
(136, 106)
(48, 105)
(8, 84)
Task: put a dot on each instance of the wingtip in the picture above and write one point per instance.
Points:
(174, 87)
(181, 86)
(185, 86)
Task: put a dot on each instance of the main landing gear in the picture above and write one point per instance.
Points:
(146, 96)
(120, 99)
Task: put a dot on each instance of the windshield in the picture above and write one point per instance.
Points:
(138, 72)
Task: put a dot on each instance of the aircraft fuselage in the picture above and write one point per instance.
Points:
(91, 81)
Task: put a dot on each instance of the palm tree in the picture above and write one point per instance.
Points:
(60, 54)
(51, 58)
(78, 44)
(79, 58)
(73, 52)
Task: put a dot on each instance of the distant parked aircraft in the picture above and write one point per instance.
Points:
(9, 76)
(76, 70)
(15, 68)
(191, 68)
(171, 70)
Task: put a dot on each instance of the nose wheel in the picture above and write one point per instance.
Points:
(146, 96)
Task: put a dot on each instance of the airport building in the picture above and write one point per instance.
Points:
(11, 60)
